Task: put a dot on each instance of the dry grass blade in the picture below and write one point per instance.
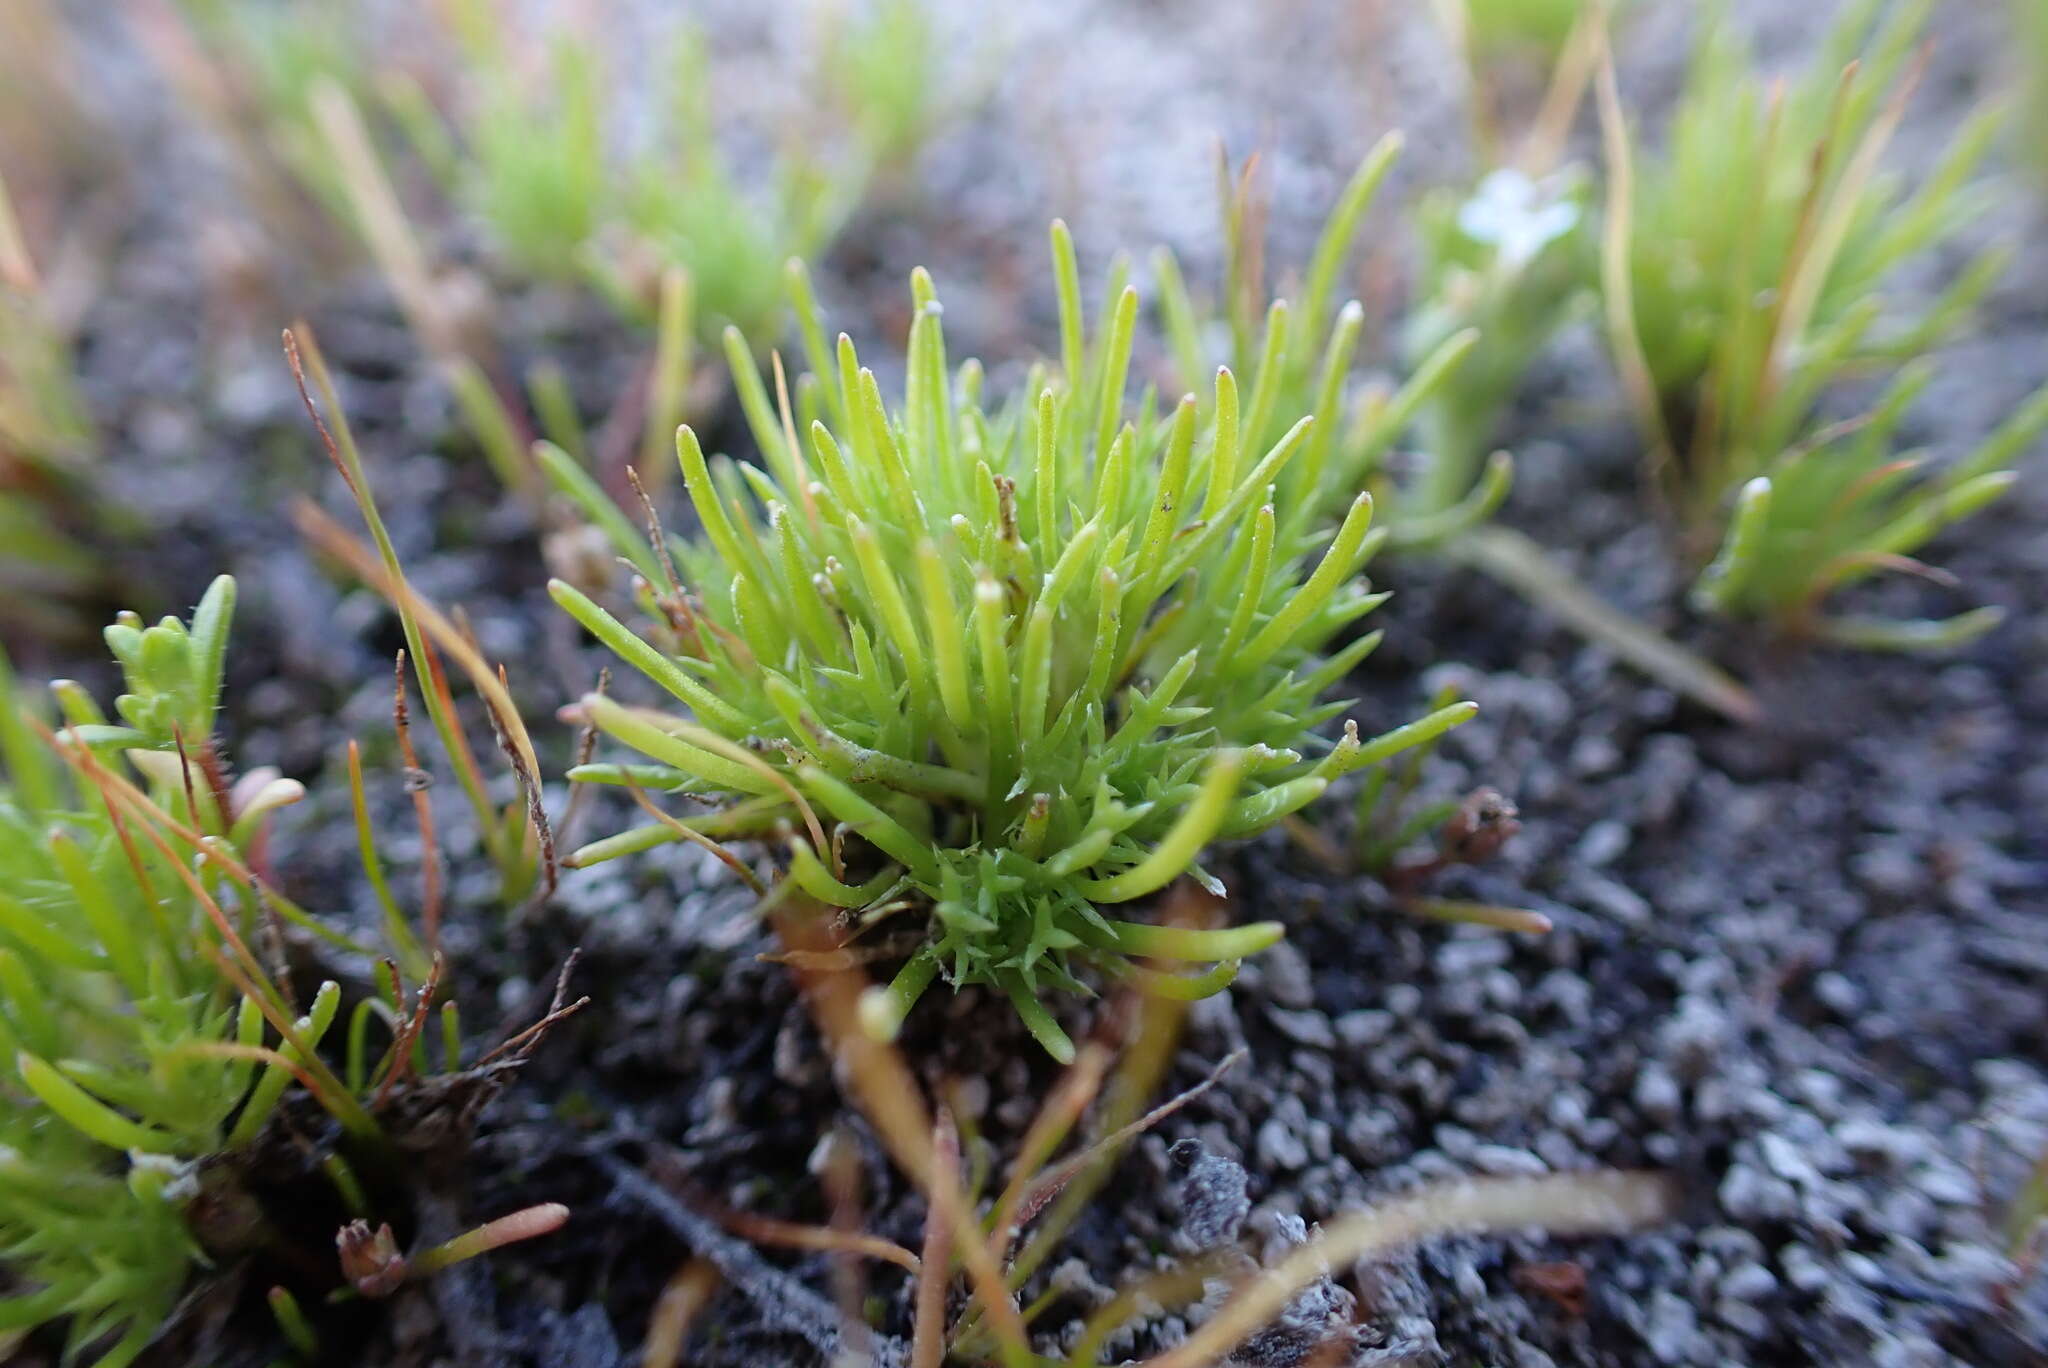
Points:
(416, 784)
(1052, 1181)
(1560, 1204)
(682, 1300)
(928, 1335)
(335, 541)
(767, 1230)
(892, 1101)
(1616, 288)
(695, 837)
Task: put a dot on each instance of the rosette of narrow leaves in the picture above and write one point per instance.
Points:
(1843, 506)
(1746, 261)
(1743, 271)
(1003, 668)
(132, 1015)
(1299, 351)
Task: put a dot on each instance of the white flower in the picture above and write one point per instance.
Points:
(1517, 216)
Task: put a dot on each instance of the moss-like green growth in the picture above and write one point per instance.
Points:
(132, 1010)
(1002, 666)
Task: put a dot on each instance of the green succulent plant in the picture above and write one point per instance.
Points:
(1744, 272)
(999, 667)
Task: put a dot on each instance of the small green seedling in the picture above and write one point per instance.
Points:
(999, 668)
(132, 1011)
(1743, 271)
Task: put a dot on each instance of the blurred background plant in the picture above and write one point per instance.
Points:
(45, 440)
(1299, 354)
(1737, 320)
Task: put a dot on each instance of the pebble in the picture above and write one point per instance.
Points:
(1303, 1027)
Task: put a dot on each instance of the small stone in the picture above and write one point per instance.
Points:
(1309, 1028)
(1656, 1093)
(1671, 1330)
(1363, 1027)
(1506, 1159)
(1604, 842)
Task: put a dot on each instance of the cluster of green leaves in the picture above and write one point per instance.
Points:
(1744, 276)
(132, 1011)
(1297, 367)
(1027, 659)
(143, 1041)
(534, 161)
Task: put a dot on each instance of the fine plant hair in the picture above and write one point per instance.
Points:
(998, 666)
(1743, 273)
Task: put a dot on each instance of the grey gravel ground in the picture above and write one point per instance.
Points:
(1800, 967)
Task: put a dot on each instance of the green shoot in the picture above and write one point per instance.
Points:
(1013, 657)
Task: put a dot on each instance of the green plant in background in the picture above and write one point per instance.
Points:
(133, 1011)
(1742, 272)
(256, 94)
(1510, 28)
(1026, 660)
(1299, 353)
(1843, 506)
(2030, 48)
(685, 201)
(44, 433)
(1510, 261)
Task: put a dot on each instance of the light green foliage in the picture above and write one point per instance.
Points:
(43, 428)
(1028, 658)
(279, 52)
(174, 671)
(1756, 247)
(534, 171)
(686, 200)
(883, 67)
(114, 1007)
(1500, 27)
(1843, 506)
(2030, 49)
(1510, 260)
(1761, 236)
(1300, 352)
